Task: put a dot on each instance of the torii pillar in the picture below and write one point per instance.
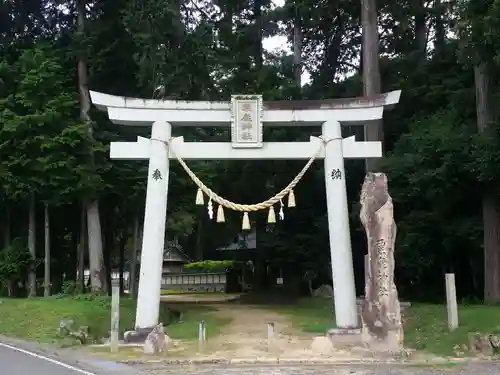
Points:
(246, 144)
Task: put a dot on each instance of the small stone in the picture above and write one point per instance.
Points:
(484, 344)
(324, 291)
(156, 342)
(128, 334)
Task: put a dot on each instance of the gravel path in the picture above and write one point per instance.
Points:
(475, 369)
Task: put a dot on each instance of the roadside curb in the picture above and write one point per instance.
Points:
(301, 361)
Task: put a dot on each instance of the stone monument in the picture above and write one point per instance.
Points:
(381, 315)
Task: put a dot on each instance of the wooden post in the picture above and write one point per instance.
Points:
(202, 333)
(270, 336)
(451, 301)
(115, 316)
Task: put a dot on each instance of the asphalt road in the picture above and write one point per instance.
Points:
(21, 363)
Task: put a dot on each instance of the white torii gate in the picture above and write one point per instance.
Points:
(246, 143)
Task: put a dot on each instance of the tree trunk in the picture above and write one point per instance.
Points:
(47, 278)
(491, 208)
(421, 29)
(6, 227)
(82, 247)
(6, 243)
(98, 281)
(297, 51)
(258, 34)
(32, 246)
(439, 26)
(371, 71)
(121, 266)
(133, 260)
(97, 273)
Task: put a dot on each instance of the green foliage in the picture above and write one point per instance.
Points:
(17, 315)
(39, 139)
(14, 261)
(431, 169)
(210, 265)
(425, 325)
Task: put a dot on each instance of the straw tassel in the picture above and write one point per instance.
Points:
(220, 214)
(291, 199)
(246, 222)
(199, 198)
(271, 216)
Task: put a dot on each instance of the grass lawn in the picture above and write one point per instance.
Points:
(425, 326)
(192, 314)
(38, 318)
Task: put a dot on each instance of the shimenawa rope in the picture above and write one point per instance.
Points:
(268, 204)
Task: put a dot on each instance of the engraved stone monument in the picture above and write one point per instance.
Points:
(381, 316)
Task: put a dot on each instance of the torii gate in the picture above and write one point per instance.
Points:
(246, 143)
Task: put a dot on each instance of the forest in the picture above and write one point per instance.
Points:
(67, 206)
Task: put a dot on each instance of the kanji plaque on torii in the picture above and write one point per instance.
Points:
(246, 121)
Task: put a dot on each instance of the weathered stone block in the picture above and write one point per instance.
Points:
(381, 311)
(485, 344)
(156, 342)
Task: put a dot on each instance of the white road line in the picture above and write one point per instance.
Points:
(55, 362)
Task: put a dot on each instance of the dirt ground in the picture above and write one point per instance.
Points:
(247, 337)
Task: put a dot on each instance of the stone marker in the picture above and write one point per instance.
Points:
(156, 342)
(380, 314)
(451, 301)
(270, 336)
(202, 334)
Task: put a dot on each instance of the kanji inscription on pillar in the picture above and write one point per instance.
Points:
(157, 175)
(336, 174)
(246, 121)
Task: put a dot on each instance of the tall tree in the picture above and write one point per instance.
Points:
(491, 206)
(96, 260)
(371, 71)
